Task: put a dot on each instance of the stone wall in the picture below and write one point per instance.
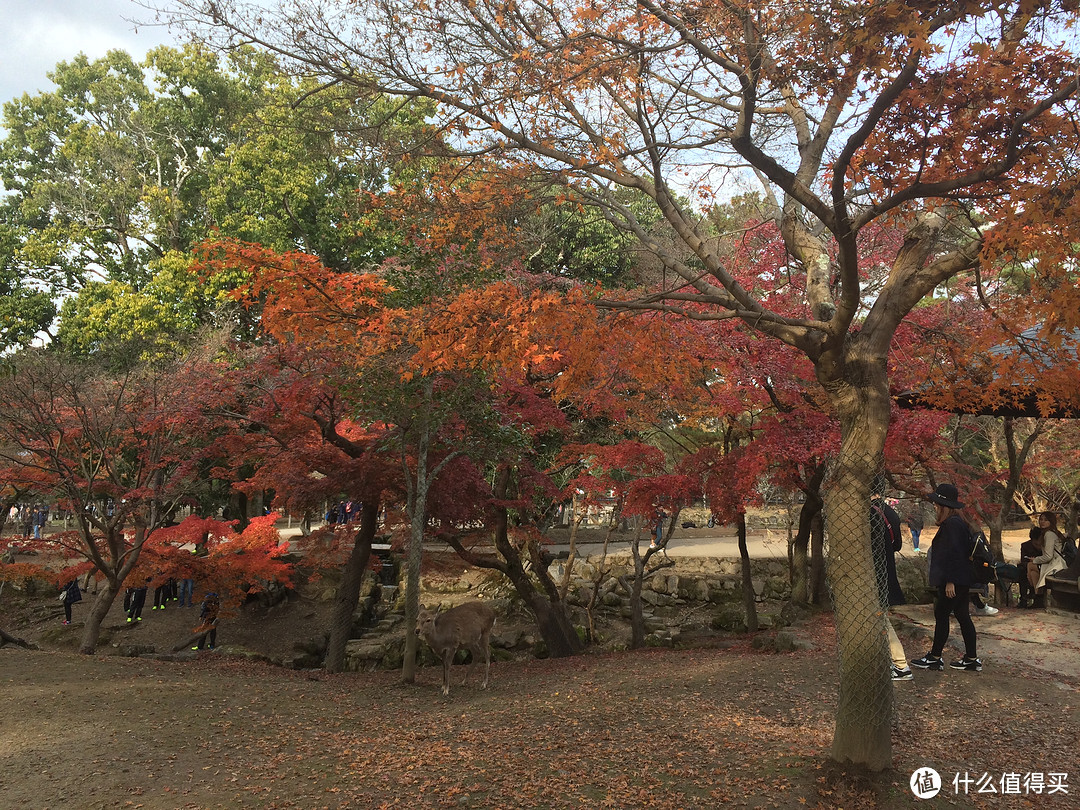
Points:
(695, 596)
(702, 595)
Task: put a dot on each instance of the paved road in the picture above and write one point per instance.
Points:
(721, 542)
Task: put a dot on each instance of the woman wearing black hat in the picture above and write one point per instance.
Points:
(950, 573)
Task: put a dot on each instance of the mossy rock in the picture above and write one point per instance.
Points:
(776, 588)
(912, 572)
(729, 617)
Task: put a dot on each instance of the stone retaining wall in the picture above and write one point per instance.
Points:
(697, 594)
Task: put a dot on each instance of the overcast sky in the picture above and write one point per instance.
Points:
(40, 33)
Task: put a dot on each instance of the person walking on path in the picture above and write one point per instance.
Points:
(915, 525)
(163, 592)
(950, 573)
(72, 594)
(138, 599)
(1049, 561)
(40, 518)
(885, 541)
(658, 529)
(187, 592)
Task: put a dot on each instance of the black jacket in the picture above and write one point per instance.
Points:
(949, 561)
(72, 594)
(885, 541)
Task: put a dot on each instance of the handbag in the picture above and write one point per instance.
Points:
(983, 570)
(63, 595)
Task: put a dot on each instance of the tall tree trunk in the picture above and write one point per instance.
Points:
(601, 572)
(568, 570)
(800, 566)
(819, 594)
(121, 561)
(864, 714)
(98, 612)
(641, 571)
(417, 524)
(348, 594)
(800, 559)
(412, 602)
(749, 598)
(238, 510)
(547, 605)
(637, 612)
(1016, 452)
(552, 616)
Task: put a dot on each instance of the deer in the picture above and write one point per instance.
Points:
(467, 626)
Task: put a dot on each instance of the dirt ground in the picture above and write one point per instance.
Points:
(719, 725)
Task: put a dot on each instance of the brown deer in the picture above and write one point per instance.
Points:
(467, 626)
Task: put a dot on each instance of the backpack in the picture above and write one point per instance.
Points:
(983, 570)
(1067, 550)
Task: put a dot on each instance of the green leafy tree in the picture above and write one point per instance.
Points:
(25, 308)
(117, 174)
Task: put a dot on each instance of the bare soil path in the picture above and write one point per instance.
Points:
(715, 726)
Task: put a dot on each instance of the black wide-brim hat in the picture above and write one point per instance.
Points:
(945, 495)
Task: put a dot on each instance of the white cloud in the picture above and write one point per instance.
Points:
(40, 33)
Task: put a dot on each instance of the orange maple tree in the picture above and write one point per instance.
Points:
(951, 120)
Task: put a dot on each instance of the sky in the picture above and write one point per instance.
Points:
(40, 33)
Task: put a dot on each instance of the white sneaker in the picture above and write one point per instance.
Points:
(986, 610)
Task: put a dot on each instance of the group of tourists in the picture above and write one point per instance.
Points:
(950, 573)
(29, 519)
(171, 590)
(344, 512)
(1041, 556)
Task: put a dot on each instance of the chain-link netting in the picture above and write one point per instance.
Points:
(859, 524)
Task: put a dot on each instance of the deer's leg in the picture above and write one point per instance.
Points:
(448, 659)
(472, 662)
(485, 641)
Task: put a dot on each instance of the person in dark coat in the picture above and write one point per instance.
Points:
(138, 599)
(950, 573)
(885, 541)
(1029, 550)
(163, 592)
(72, 594)
(40, 518)
(208, 615)
(915, 525)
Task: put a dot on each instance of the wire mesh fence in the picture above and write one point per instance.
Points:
(859, 529)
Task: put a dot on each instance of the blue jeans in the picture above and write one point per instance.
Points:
(915, 537)
(187, 590)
